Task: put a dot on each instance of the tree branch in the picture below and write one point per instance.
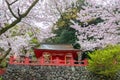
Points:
(5, 55)
(8, 4)
(19, 12)
(28, 10)
(9, 26)
(6, 52)
(19, 18)
(13, 2)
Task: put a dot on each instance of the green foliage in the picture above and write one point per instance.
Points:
(30, 33)
(95, 21)
(23, 31)
(64, 20)
(1, 49)
(64, 33)
(79, 4)
(15, 31)
(3, 64)
(105, 61)
(34, 41)
(65, 36)
(1, 78)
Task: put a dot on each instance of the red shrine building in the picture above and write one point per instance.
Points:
(54, 54)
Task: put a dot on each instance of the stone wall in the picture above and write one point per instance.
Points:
(24, 72)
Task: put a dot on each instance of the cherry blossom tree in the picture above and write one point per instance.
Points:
(11, 13)
(19, 39)
(17, 12)
(31, 12)
(27, 13)
(92, 36)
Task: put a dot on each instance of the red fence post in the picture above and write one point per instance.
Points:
(85, 62)
(42, 60)
(11, 61)
(2, 71)
(27, 60)
(71, 62)
(51, 61)
(57, 61)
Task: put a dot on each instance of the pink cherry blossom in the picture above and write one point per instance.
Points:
(103, 33)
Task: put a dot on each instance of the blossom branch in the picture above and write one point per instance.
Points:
(8, 4)
(18, 19)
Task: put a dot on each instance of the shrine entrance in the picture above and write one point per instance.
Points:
(52, 56)
(59, 55)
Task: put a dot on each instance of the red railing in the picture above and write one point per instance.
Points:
(2, 71)
(57, 62)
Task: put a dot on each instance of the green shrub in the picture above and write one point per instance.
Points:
(1, 78)
(105, 61)
(3, 64)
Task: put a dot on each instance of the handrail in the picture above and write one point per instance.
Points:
(2, 71)
(57, 62)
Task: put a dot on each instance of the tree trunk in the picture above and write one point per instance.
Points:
(5, 55)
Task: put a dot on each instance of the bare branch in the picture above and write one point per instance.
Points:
(5, 55)
(19, 12)
(18, 19)
(13, 2)
(6, 52)
(8, 4)
(28, 10)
